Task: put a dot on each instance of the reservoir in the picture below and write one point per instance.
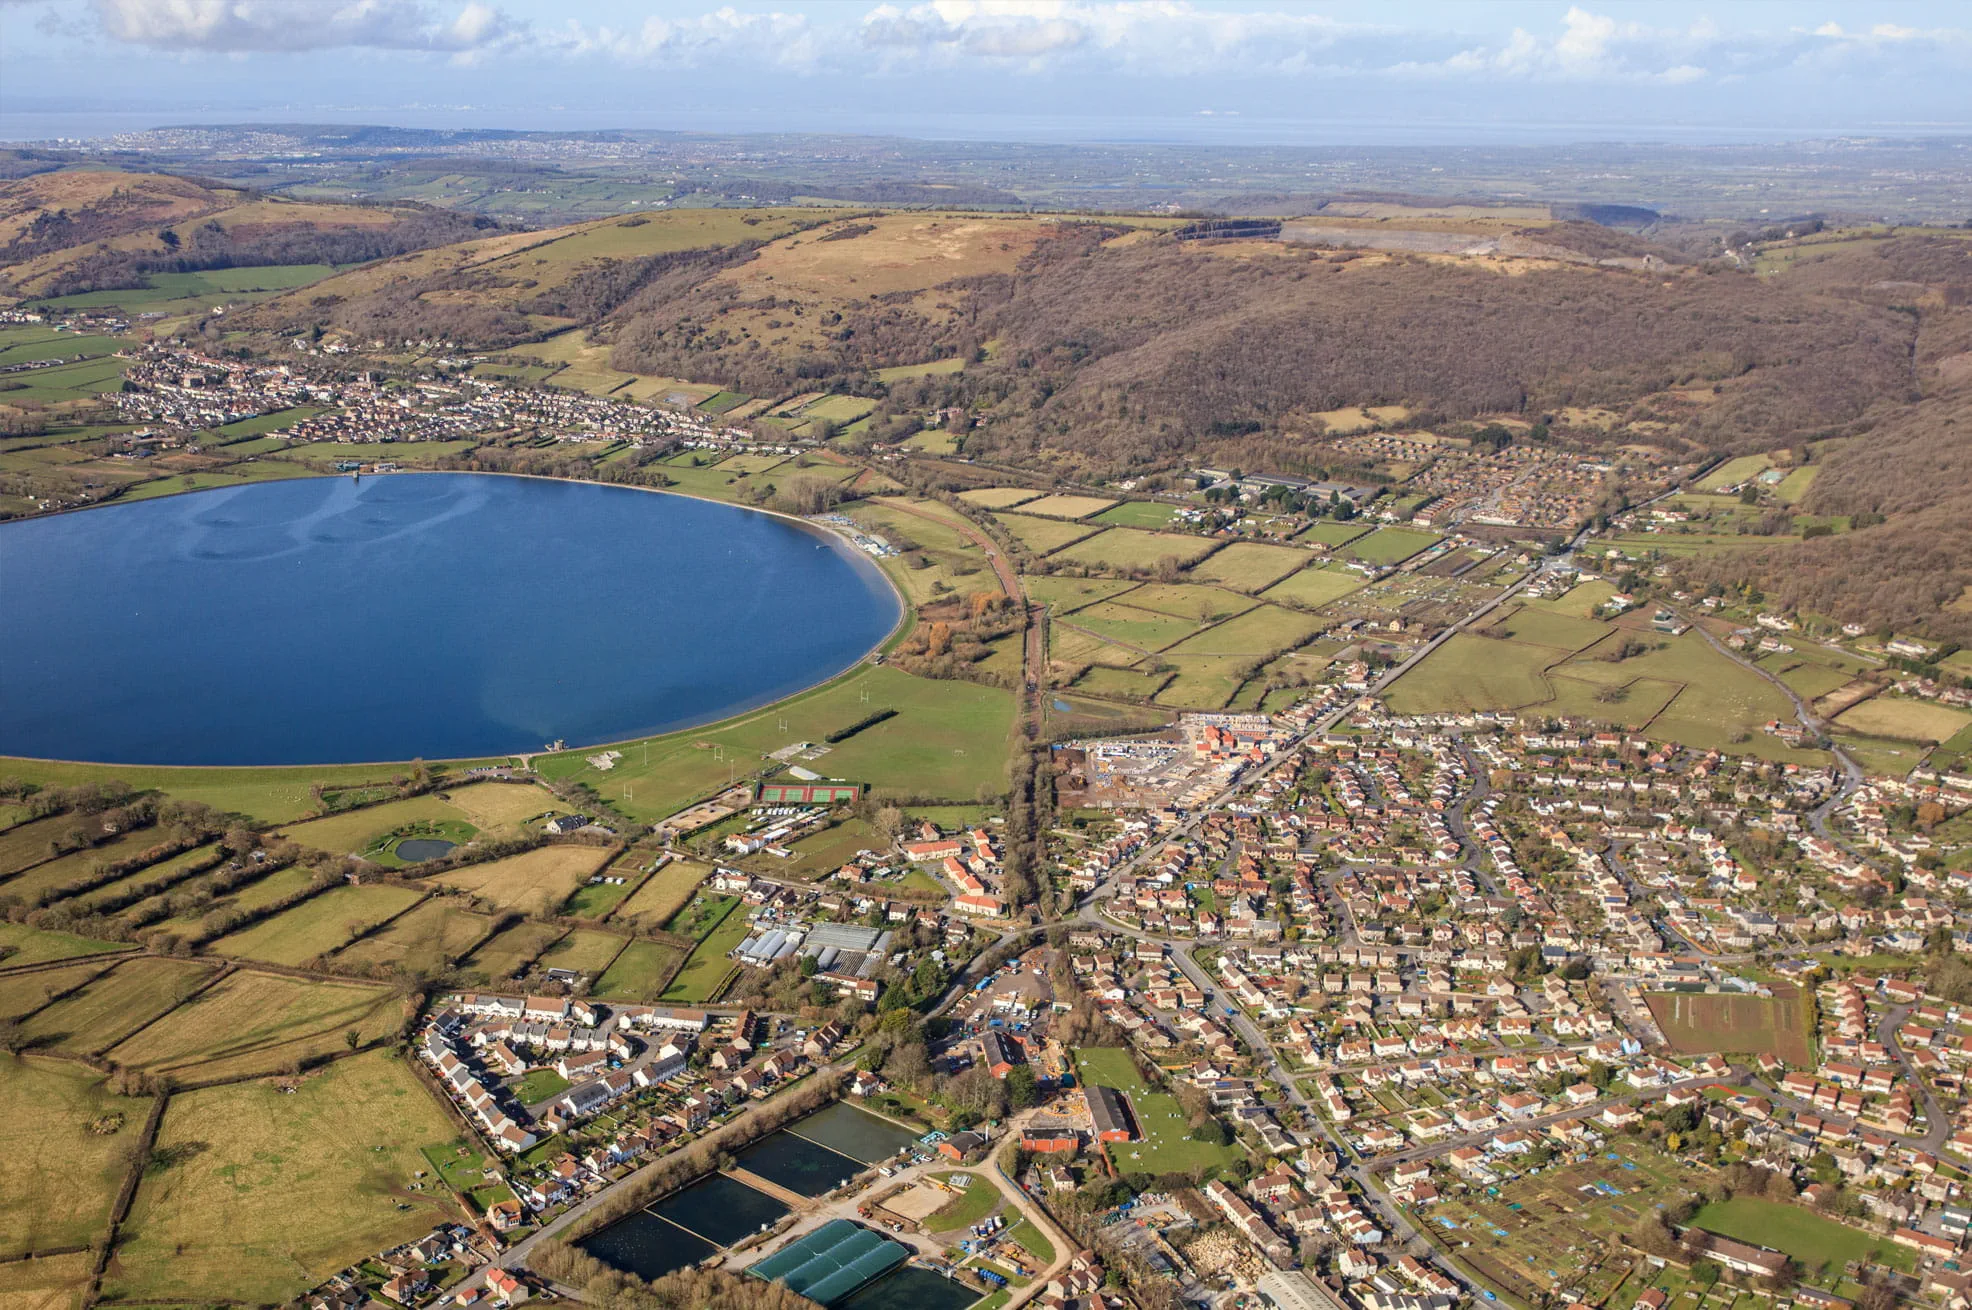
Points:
(912, 1288)
(684, 1228)
(853, 1132)
(815, 1154)
(432, 615)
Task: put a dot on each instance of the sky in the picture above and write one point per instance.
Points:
(1228, 70)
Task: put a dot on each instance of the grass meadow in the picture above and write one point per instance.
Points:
(58, 1178)
(637, 973)
(259, 1195)
(254, 1023)
(663, 894)
(999, 497)
(318, 925)
(533, 882)
(1043, 535)
(114, 1004)
(1127, 550)
(1249, 565)
(1313, 588)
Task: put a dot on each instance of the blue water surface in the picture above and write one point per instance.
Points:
(434, 615)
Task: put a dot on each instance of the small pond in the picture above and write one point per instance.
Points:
(418, 849)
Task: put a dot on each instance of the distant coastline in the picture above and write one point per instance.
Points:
(1198, 129)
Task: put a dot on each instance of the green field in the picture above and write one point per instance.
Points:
(1249, 565)
(275, 886)
(113, 1005)
(1067, 646)
(1188, 601)
(1100, 680)
(533, 882)
(258, 1195)
(1067, 505)
(1904, 720)
(21, 993)
(1794, 487)
(150, 873)
(583, 950)
(1473, 673)
(425, 941)
(936, 367)
(1582, 601)
(212, 286)
(1392, 545)
(235, 475)
(80, 380)
(1810, 679)
(1314, 588)
(50, 874)
(259, 1023)
(259, 425)
(20, 944)
(503, 956)
(538, 1086)
(1260, 631)
(58, 1178)
(1723, 702)
(998, 497)
(27, 344)
(37, 840)
(948, 739)
(1735, 471)
(1065, 594)
(1166, 1146)
(1043, 535)
(268, 795)
(317, 925)
(840, 410)
(638, 973)
(1130, 550)
(1539, 627)
(594, 900)
(1120, 622)
(1818, 1243)
(1137, 514)
(1334, 534)
(707, 965)
(1203, 682)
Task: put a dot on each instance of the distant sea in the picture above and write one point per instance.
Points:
(1199, 129)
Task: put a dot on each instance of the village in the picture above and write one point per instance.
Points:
(1528, 929)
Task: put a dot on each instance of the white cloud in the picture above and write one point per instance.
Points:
(243, 26)
(1590, 47)
(1238, 41)
(773, 37)
(1171, 37)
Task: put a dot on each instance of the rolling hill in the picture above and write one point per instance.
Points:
(89, 229)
